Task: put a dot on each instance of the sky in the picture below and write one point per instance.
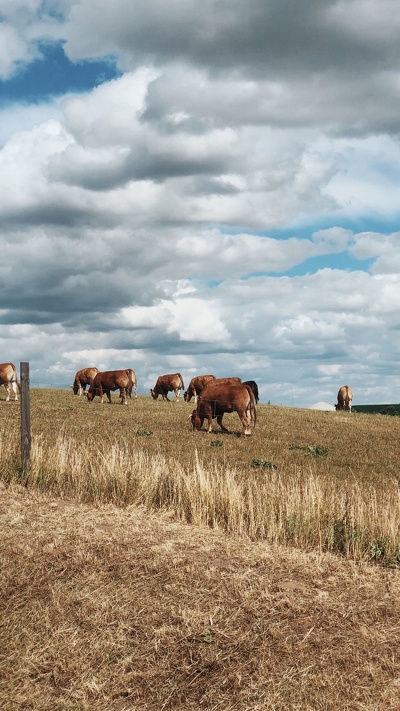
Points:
(203, 188)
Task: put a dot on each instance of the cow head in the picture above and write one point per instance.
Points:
(196, 420)
(186, 396)
(153, 395)
(89, 395)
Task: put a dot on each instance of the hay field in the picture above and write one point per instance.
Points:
(178, 570)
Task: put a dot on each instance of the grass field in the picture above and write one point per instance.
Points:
(145, 566)
(320, 480)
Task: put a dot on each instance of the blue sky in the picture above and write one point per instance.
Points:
(203, 189)
(54, 75)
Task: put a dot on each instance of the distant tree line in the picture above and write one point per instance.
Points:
(392, 410)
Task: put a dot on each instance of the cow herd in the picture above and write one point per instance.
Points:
(212, 396)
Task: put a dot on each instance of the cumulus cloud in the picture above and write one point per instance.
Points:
(383, 250)
(306, 63)
(219, 207)
(24, 24)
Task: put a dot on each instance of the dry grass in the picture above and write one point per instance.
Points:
(111, 609)
(110, 601)
(316, 480)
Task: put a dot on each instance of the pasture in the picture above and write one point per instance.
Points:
(145, 566)
(318, 480)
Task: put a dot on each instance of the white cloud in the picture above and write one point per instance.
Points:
(368, 176)
(336, 239)
(182, 214)
(124, 100)
(12, 49)
(329, 370)
(383, 249)
(23, 24)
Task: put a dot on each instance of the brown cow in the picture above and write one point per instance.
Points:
(167, 383)
(344, 398)
(216, 398)
(196, 385)
(103, 383)
(9, 378)
(133, 382)
(229, 380)
(82, 378)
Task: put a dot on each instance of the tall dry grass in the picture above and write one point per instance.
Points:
(309, 479)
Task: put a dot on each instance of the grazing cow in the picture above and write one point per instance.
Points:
(216, 398)
(9, 378)
(253, 385)
(82, 378)
(196, 385)
(133, 382)
(344, 398)
(167, 383)
(103, 383)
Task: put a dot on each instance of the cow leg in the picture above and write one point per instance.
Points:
(80, 389)
(245, 418)
(108, 393)
(246, 422)
(177, 393)
(7, 387)
(219, 420)
(14, 387)
(122, 393)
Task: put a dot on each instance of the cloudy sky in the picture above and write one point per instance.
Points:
(203, 187)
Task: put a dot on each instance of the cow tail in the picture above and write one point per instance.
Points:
(182, 385)
(252, 407)
(16, 378)
(253, 412)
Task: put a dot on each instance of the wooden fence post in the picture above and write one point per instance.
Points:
(25, 417)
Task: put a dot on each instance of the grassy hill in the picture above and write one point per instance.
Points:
(145, 566)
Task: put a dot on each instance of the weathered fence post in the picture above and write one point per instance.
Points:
(25, 417)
